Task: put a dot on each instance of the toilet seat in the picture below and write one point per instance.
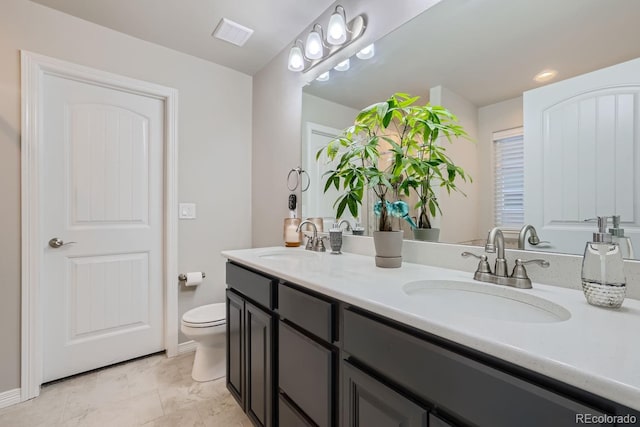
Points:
(205, 316)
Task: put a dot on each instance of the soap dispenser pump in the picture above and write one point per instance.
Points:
(603, 280)
(617, 234)
(335, 238)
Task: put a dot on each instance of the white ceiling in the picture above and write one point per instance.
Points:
(186, 25)
(490, 50)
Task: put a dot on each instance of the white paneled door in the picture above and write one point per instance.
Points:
(102, 198)
(582, 155)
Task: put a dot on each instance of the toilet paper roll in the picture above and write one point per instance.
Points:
(194, 278)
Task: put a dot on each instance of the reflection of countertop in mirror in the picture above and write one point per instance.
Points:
(595, 350)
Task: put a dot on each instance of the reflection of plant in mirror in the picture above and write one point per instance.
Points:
(393, 146)
(428, 165)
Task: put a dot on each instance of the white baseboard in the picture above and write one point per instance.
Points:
(187, 347)
(10, 397)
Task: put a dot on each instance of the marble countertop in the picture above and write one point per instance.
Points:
(596, 349)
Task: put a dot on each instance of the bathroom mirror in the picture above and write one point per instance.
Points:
(476, 58)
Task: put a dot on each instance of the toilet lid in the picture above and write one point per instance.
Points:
(206, 314)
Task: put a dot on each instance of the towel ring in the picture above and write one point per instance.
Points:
(297, 180)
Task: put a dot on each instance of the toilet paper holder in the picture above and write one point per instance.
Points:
(183, 277)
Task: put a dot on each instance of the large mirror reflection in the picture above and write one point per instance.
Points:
(549, 92)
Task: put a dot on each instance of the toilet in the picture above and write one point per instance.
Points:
(206, 325)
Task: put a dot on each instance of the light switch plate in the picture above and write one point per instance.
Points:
(187, 211)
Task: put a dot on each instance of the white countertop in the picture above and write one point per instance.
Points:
(596, 349)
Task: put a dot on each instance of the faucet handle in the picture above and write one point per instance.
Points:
(318, 244)
(483, 265)
(519, 272)
(310, 242)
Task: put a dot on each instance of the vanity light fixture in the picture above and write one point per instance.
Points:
(316, 48)
(545, 75)
(343, 66)
(367, 52)
(337, 30)
(323, 77)
(296, 57)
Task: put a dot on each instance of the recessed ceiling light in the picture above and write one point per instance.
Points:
(323, 77)
(343, 66)
(232, 32)
(545, 75)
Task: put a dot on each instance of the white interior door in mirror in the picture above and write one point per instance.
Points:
(102, 189)
(317, 203)
(582, 155)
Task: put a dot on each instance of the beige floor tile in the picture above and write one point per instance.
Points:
(110, 414)
(186, 417)
(223, 411)
(147, 407)
(154, 391)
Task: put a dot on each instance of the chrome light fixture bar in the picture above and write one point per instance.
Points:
(340, 34)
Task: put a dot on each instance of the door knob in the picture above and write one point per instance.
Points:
(56, 243)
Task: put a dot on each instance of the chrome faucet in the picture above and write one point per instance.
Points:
(495, 243)
(518, 277)
(533, 240)
(314, 243)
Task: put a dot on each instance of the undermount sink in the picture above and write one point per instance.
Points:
(485, 301)
(288, 254)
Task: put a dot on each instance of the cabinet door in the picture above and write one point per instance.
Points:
(290, 417)
(235, 346)
(305, 374)
(369, 403)
(259, 366)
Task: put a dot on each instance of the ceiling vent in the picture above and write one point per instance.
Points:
(232, 32)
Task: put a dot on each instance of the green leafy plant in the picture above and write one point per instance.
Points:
(411, 160)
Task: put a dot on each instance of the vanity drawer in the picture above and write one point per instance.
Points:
(455, 383)
(311, 313)
(305, 374)
(255, 286)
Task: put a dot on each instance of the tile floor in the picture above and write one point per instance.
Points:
(153, 392)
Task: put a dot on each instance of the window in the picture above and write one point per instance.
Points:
(509, 178)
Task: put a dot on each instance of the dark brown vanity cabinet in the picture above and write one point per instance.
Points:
(307, 360)
(298, 358)
(251, 343)
(466, 390)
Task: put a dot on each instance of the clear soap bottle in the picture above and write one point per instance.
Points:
(617, 234)
(603, 280)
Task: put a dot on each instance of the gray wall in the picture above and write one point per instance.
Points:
(277, 103)
(214, 127)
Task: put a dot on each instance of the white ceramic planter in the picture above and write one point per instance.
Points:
(388, 246)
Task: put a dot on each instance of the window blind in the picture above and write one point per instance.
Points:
(509, 178)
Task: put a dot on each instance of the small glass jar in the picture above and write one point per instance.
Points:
(292, 237)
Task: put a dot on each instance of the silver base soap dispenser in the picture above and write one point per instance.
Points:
(603, 280)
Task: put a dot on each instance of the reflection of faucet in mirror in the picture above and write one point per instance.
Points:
(349, 228)
(533, 240)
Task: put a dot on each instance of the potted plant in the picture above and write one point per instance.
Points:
(391, 149)
(362, 163)
(429, 168)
